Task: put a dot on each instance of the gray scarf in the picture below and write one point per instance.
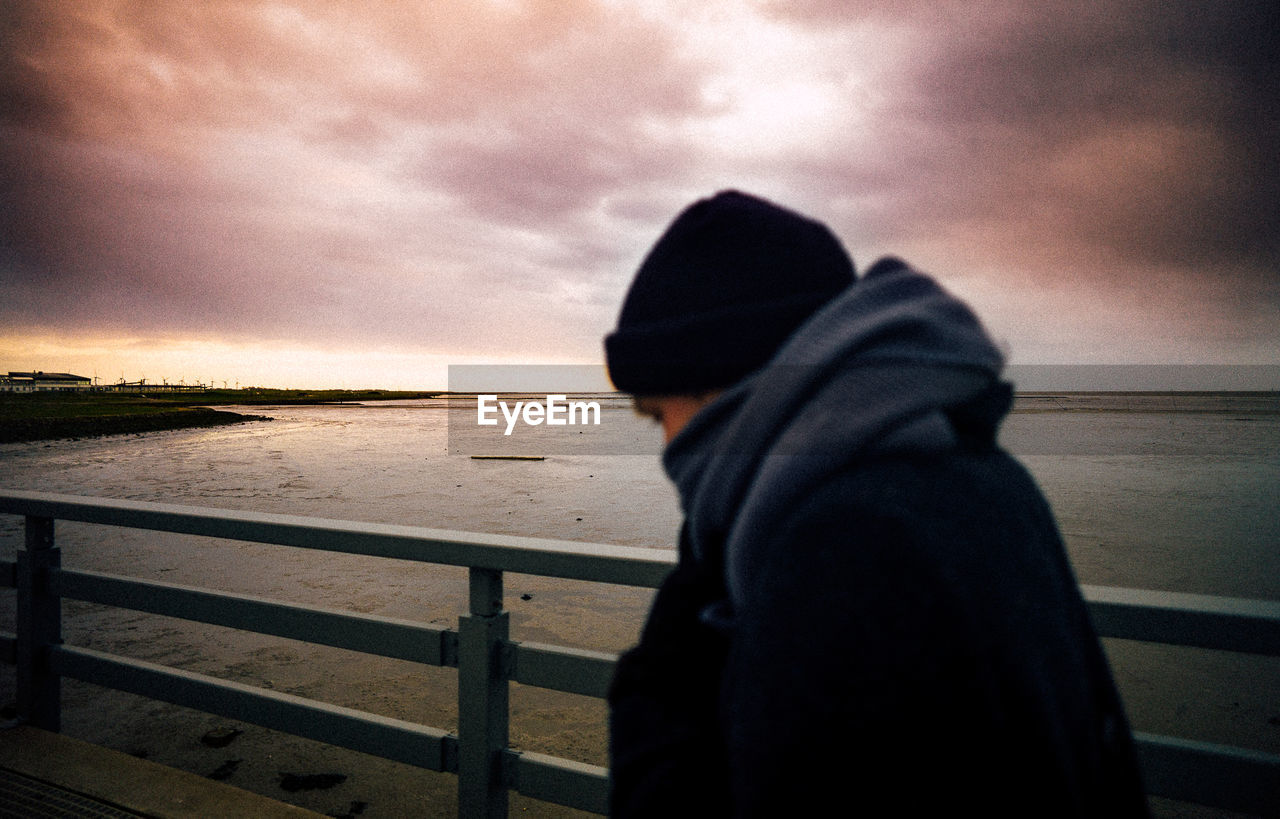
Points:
(873, 372)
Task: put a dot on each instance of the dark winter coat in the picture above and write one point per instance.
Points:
(873, 610)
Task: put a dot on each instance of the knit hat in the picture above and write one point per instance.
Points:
(723, 287)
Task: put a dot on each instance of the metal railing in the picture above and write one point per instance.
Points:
(482, 651)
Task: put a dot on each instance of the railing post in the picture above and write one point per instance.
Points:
(483, 699)
(39, 624)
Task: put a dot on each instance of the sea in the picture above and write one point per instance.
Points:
(1173, 492)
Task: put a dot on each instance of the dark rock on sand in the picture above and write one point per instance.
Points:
(356, 809)
(220, 737)
(226, 769)
(292, 782)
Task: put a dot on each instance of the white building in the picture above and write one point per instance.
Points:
(43, 382)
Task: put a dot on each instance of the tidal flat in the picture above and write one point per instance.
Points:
(1172, 492)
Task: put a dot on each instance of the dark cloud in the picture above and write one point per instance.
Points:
(1151, 129)
(466, 176)
(585, 119)
(1175, 104)
(235, 167)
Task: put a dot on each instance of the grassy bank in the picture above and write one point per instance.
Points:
(44, 416)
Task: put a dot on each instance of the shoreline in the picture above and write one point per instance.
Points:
(27, 418)
(1181, 403)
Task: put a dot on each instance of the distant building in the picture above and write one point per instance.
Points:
(141, 385)
(125, 386)
(43, 382)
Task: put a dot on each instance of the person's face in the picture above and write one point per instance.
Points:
(672, 411)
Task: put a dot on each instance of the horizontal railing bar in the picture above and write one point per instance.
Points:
(1176, 618)
(562, 781)
(8, 647)
(394, 739)
(1236, 779)
(370, 634)
(576, 671)
(623, 565)
(8, 574)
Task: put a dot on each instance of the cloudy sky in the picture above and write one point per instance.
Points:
(358, 194)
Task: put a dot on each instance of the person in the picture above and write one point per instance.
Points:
(872, 611)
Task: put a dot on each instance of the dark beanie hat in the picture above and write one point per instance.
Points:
(723, 287)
